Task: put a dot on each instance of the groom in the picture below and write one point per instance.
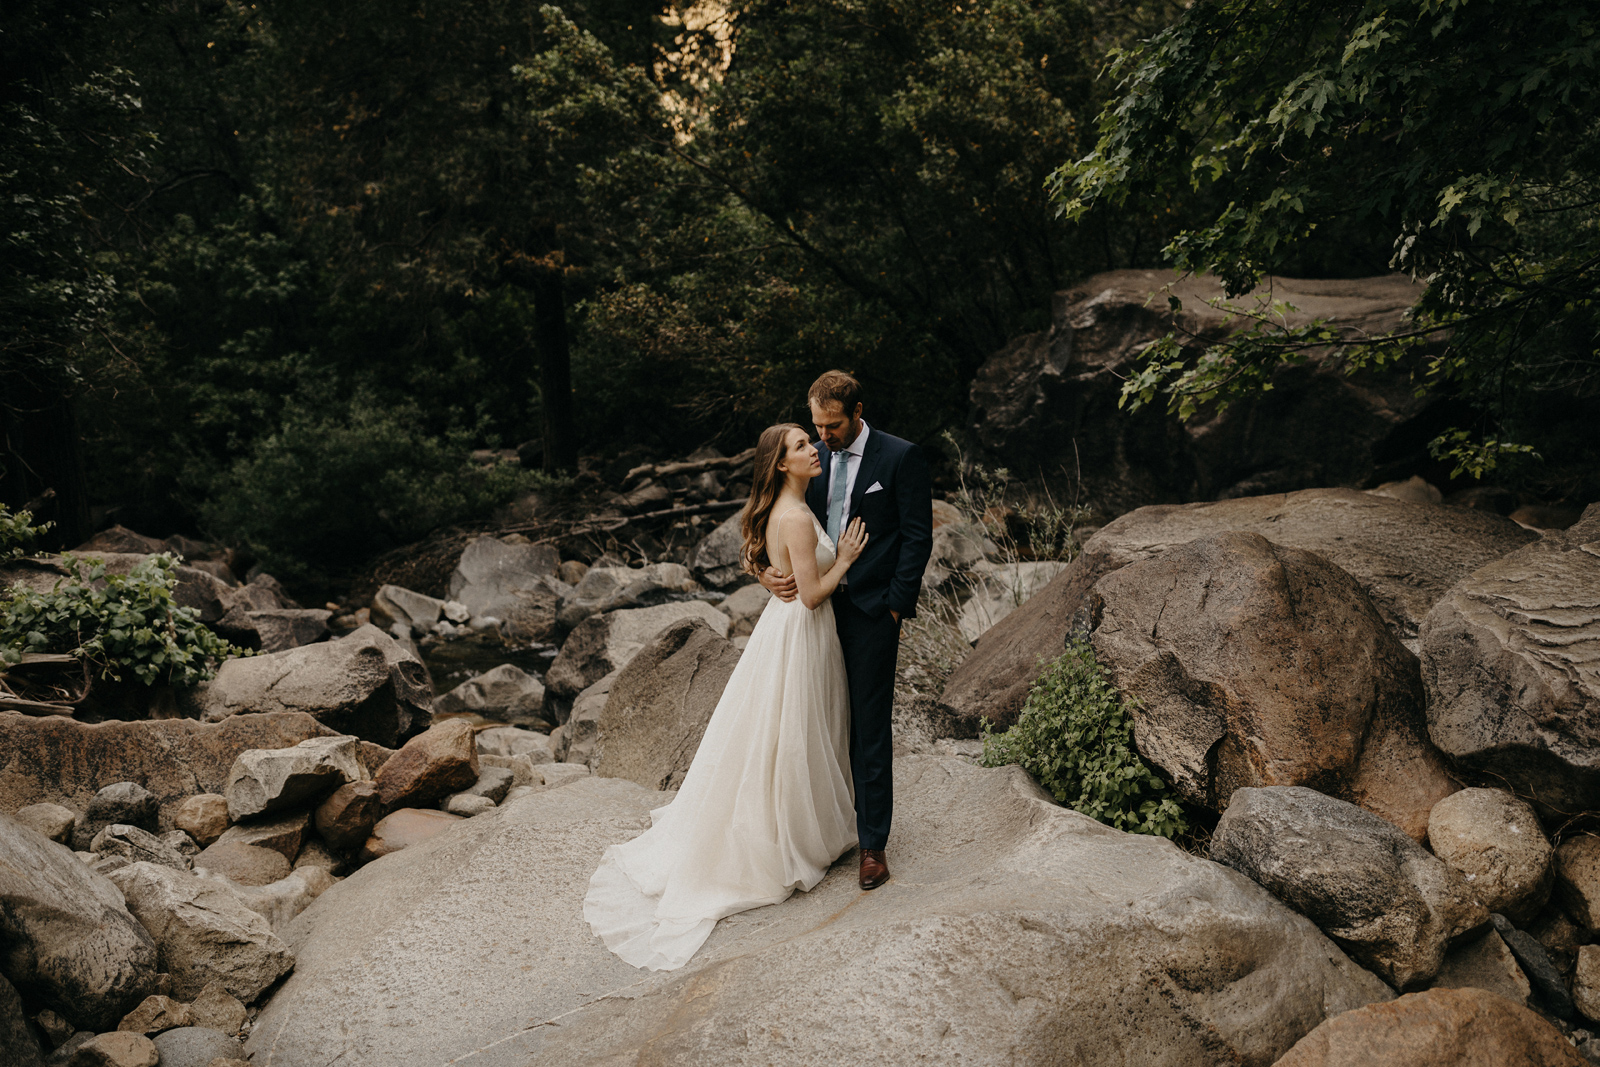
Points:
(884, 480)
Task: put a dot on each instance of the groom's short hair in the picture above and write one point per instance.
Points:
(836, 385)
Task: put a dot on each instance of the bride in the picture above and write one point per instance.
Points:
(767, 804)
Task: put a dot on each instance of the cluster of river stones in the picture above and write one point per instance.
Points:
(1389, 706)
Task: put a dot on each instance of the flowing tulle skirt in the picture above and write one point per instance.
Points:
(766, 807)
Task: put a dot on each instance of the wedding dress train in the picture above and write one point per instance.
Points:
(767, 804)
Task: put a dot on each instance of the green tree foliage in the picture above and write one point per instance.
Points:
(864, 188)
(1463, 132)
(115, 623)
(325, 492)
(1075, 736)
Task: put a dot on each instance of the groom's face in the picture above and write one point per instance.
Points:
(836, 429)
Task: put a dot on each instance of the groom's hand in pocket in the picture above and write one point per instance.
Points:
(779, 585)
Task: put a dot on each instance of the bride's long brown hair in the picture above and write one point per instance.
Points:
(765, 481)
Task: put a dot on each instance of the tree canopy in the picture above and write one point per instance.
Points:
(1461, 137)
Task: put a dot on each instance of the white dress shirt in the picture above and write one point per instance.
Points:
(852, 462)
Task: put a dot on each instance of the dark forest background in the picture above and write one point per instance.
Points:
(274, 269)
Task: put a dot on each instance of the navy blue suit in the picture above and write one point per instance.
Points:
(887, 576)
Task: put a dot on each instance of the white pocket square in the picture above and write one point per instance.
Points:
(874, 487)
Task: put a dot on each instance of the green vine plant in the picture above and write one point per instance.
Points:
(116, 625)
(17, 533)
(1075, 736)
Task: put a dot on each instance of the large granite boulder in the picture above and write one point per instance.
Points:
(659, 705)
(995, 590)
(606, 589)
(66, 938)
(1381, 896)
(1050, 402)
(1511, 661)
(203, 932)
(516, 584)
(59, 761)
(365, 684)
(1436, 1028)
(1014, 931)
(1254, 664)
(1406, 556)
(605, 643)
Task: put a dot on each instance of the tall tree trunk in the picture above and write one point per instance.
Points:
(555, 371)
(39, 452)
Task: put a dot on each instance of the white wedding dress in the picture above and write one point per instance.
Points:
(766, 807)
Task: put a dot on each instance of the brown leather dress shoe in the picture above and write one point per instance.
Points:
(874, 868)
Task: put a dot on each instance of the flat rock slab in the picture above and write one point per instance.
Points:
(1014, 931)
(59, 761)
(1511, 661)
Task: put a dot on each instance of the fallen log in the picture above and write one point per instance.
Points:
(695, 466)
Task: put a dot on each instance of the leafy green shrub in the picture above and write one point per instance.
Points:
(17, 533)
(327, 492)
(1075, 737)
(116, 623)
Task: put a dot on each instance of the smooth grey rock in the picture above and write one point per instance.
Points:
(51, 820)
(1373, 890)
(716, 557)
(743, 607)
(516, 584)
(415, 613)
(606, 589)
(1543, 976)
(283, 832)
(124, 802)
(605, 643)
(196, 1046)
(493, 783)
(364, 684)
(242, 864)
(1483, 962)
(957, 548)
(998, 589)
(134, 845)
(505, 694)
(66, 935)
(466, 805)
(660, 704)
(1036, 934)
(1511, 661)
(280, 901)
(274, 629)
(1578, 879)
(581, 731)
(513, 741)
(267, 780)
(1494, 839)
(203, 932)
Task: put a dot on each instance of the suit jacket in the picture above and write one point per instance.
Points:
(899, 519)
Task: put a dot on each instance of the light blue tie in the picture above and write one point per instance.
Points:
(841, 475)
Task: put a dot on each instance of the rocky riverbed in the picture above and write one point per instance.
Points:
(368, 843)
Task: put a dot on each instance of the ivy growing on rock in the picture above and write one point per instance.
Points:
(116, 623)
(1075, 736)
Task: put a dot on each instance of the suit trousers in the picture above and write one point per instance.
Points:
(871, 648)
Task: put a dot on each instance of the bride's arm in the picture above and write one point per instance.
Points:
(800, 540)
